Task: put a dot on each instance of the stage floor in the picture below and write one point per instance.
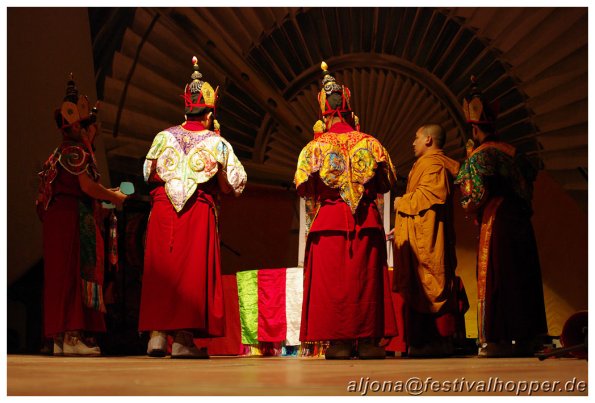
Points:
(40, 375)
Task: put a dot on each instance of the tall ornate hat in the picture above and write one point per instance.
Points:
(330, 86)
(75, 107)
(476, 108)
(198, 94)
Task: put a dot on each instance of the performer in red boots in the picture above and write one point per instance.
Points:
(346, 290)
(73, 247)
(188, 165)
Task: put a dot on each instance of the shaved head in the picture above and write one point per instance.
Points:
(436, 132)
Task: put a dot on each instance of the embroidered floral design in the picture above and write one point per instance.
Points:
(492, 162)
(188, 139)
(71, 157)
(186, 159)
(345, 161)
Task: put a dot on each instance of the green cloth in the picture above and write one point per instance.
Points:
(248, 299)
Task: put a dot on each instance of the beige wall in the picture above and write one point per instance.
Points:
(561, 230)
(467, 234)
(44, 45)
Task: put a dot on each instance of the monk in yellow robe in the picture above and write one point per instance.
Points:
(425, 257)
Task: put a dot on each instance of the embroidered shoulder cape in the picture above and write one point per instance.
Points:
(493, 159)
(346, 161)
(188, 158)
(74, 158)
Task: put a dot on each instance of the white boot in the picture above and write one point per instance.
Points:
(157, 344)
(75, 346)
(59, 344)
(183, 347)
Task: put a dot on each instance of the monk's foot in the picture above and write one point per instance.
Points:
(435, 349)
(367, 349)
(339, 350)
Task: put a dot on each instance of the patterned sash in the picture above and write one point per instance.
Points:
(483, 257)
(91, 255)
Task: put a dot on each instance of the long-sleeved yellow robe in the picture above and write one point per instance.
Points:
(425, 257)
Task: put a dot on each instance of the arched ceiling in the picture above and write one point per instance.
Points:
(404, 66)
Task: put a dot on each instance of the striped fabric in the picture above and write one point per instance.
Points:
(270, 303)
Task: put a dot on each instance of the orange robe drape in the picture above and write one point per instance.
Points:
(425, 258)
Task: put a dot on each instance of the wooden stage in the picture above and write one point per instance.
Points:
(138, 375)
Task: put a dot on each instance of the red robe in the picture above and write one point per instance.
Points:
(346, 285)
(63, 300)
(182, 285)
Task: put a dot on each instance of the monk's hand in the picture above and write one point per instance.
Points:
(396, 202)
(390, 235)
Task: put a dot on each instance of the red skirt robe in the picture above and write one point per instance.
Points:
(63, 305)
(182, 284)
(346, 284)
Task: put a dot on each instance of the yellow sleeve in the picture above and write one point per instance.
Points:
(432, 190)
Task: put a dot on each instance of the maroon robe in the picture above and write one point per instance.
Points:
(497, 184)
(63, 305)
